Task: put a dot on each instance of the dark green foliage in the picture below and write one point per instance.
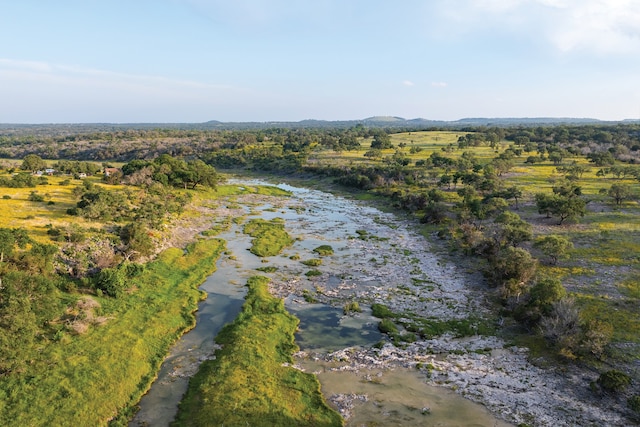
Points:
(386, 326)
(381, 140)
(313, 273)
(511, 268)
(75, 167)
(620, 192)
(38, 259)
(545, 292)
(434, 213)
(35, 197)
(33, 162)
(324, 250)
(97, 203)
(115, 281)
(430, 328)
(20, 180)
(10, 239)
(512, 230)
(554, 246)
(268, 269)
(614, 381)
(169, 170)
(136, 236)
(381, 311)
(112, 281)
(634, 403)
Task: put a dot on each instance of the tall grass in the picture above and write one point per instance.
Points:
(251, 382)
(90, 379)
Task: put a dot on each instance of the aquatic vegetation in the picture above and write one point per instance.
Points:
(313, 273)
(251, 380)
(268, 269)
(352, 307)
(270, 237)
(324, 250)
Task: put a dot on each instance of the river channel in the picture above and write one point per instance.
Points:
(371, 250)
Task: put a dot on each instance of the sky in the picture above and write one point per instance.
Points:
(190, 61)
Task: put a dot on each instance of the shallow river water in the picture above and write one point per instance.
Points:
(314, 218)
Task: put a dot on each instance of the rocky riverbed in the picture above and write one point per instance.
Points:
(385, 261)
(379, 258)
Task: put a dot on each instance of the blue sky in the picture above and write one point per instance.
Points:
(123, 61)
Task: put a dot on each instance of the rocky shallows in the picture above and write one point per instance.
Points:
(385, 261)
(379, 258)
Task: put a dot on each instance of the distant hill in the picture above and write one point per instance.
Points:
(388, 122)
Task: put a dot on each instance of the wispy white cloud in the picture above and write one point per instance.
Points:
(439, 84)
(69, 73)
(44, 90)
(597, 26)
(408, 83)
(606, 26)
(16, 64)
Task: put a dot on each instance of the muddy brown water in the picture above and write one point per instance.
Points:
(394, 398)
(399, 398)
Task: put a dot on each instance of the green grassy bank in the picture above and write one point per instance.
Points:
(250, 382)
(96, 377)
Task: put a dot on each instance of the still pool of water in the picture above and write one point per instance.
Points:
(325, 329)
(399, 398)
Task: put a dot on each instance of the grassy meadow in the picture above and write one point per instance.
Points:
(602, 271)
(96, 377)
(16, 210)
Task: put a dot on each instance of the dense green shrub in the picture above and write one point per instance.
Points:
(614, 381)
(381, 311)
(386, 326)
(634, 403)
(324, 250)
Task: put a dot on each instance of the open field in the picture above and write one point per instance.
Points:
(602, 270)
(18, 211)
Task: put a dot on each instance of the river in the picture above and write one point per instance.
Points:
(372, 249)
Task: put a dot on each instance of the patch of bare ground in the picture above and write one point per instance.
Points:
(79, 317)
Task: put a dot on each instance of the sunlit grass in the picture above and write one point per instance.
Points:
(250, 381)
(269, 237)
(631, 286)
(623, 315)
(17, 211)
(86, 380)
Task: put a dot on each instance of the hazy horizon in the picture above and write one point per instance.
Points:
(376, 119)
(192, 61)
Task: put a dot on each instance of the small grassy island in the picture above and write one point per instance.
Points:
(251, 380)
